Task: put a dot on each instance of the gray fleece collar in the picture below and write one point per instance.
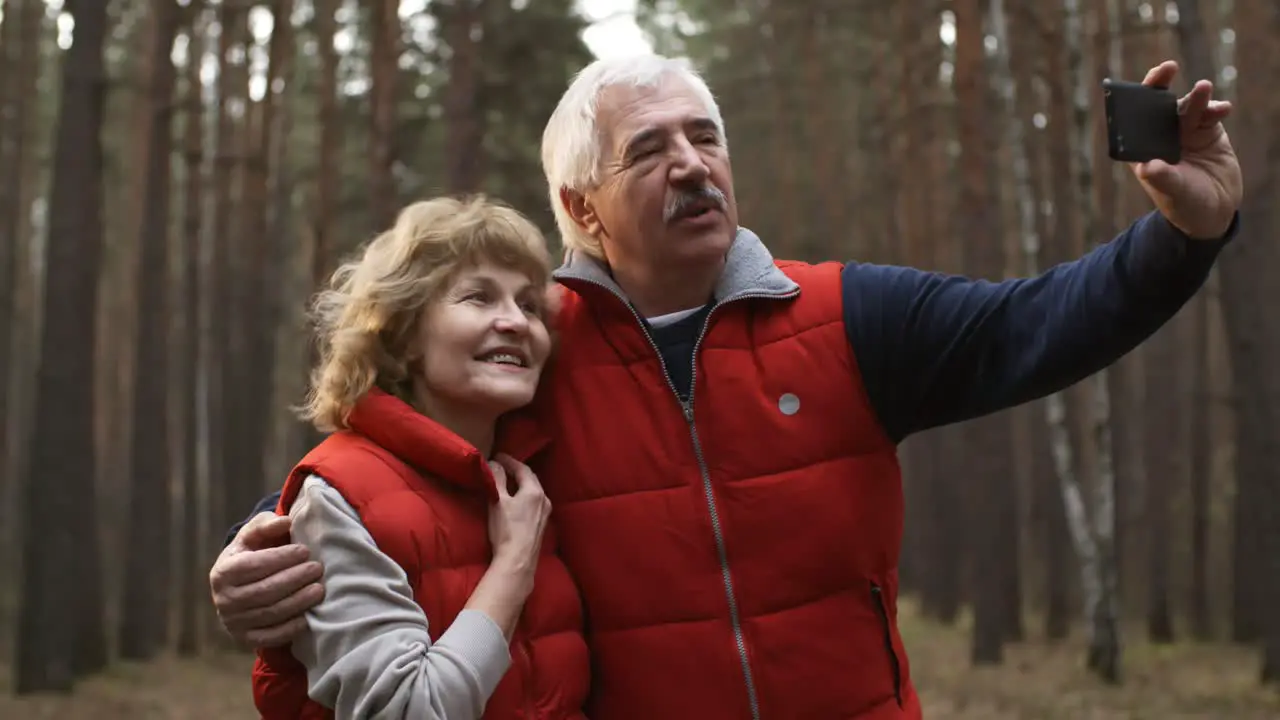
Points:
(749, 270)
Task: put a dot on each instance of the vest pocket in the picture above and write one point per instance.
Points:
(886, 629)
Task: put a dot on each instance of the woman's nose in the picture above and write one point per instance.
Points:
(510, 318)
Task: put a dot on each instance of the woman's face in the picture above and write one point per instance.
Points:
(483, 343)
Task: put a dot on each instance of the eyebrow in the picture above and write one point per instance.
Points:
(704, 123)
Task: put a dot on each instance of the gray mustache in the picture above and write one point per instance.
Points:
(685, 200)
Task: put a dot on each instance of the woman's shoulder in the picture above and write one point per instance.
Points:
(355, 467)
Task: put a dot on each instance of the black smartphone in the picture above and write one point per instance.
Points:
(1142, 122)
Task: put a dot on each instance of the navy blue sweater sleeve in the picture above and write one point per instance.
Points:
(266, 504)
(935, 349)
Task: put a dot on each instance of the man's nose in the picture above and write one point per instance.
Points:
(689, 166)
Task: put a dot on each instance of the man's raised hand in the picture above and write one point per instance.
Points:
(1201, 194)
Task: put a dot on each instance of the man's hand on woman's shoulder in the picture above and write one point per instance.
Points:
(262, 584)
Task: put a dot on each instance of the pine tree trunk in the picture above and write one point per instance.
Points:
(144, 614)
(61, 632)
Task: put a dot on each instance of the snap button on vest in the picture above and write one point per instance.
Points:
(789, 404)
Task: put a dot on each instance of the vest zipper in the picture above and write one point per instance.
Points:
(686, 407)
(877, 599)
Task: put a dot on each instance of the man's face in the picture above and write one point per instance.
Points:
(666, 191)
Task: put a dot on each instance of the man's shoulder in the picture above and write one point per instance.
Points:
(808, 273)
(803, 265)
(847, 270)
(859, 288)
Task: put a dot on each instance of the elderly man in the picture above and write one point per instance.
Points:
(724, 470)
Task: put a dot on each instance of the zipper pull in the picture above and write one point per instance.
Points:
(688, 410)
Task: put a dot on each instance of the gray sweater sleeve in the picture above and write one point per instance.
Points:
(368, 654)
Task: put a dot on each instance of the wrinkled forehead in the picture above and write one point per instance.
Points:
(625, 111)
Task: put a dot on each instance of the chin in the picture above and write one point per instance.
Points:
(715, 244)
(506, 397)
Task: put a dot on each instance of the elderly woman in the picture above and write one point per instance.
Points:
(441, 598)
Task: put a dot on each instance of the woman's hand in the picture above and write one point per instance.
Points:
(516, 524)
(517, 520)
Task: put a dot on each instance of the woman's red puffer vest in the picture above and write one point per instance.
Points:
(424, 495)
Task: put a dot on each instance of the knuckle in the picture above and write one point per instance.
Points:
(228, 599)
(217, 576)
(259, 520)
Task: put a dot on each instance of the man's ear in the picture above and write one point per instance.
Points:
(581, 210)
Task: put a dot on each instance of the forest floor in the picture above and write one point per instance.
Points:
(1036, 682)
(1043, 681)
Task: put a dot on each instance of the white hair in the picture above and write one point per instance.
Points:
(571, 141)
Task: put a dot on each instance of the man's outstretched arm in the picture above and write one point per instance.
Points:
(936, 349)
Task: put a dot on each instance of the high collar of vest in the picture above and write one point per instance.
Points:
(435, 450)
(749, 269)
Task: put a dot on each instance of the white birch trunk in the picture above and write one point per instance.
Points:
(1100, 604)
(1064, 461)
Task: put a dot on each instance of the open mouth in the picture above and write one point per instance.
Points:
(508, 357)
(696, 212)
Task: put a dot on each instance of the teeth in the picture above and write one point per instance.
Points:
(504, 359)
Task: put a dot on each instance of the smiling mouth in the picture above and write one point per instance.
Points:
(504, 357)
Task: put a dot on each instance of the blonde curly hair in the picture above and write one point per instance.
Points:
(367, 319)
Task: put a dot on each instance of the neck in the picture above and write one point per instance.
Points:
(477, 428)
(667, 290)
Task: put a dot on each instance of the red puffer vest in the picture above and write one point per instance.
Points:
(736, 554)
(424, 495)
